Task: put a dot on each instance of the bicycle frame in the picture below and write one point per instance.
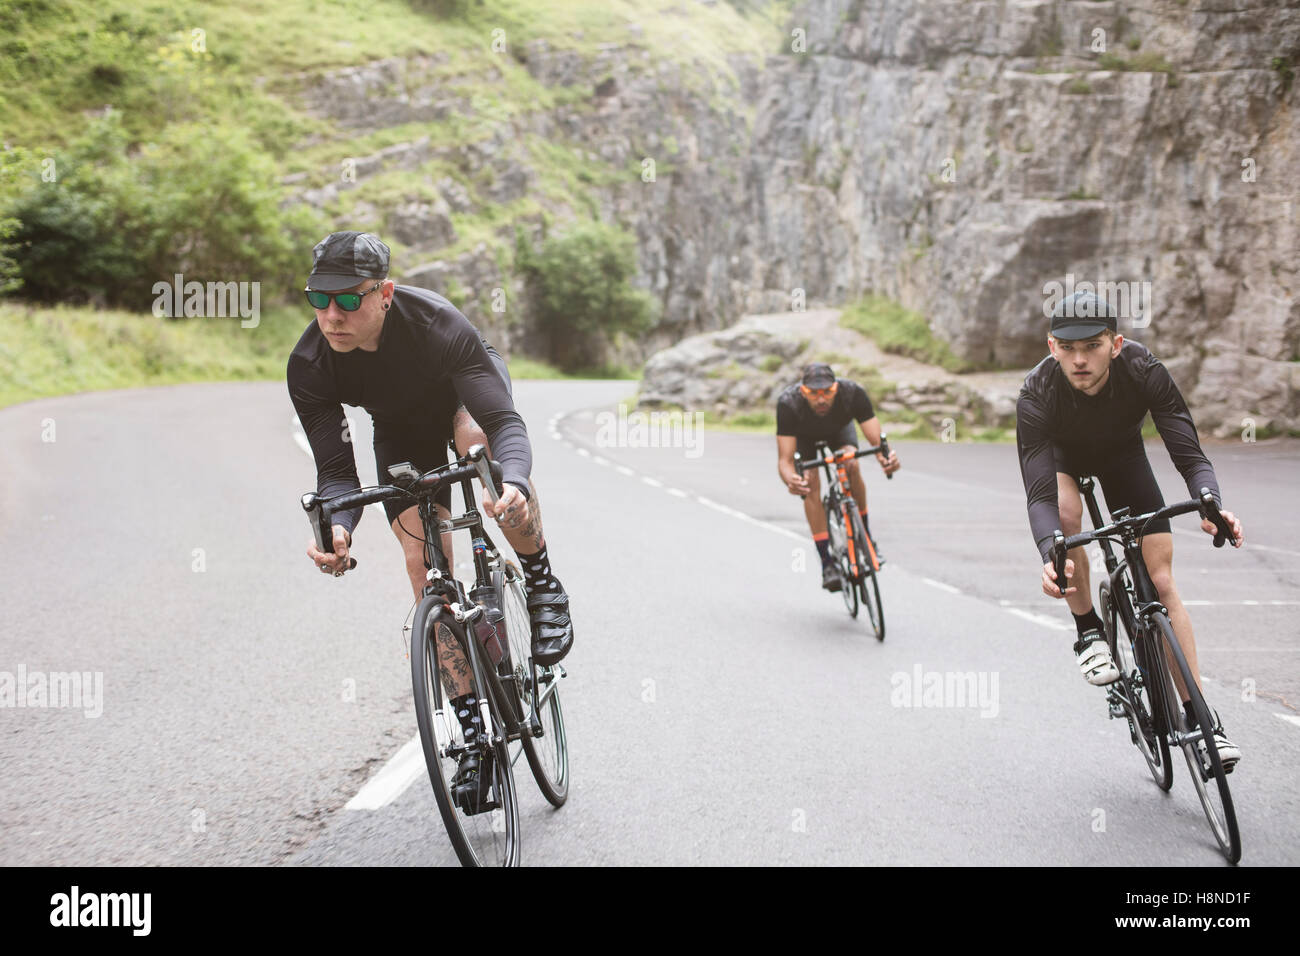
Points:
(1148, 604)
(840, 490)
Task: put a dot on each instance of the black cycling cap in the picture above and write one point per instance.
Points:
(343, 259)
(818, 375)
(1081, 316)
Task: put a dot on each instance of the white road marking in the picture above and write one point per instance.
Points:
(941, 586)
(403, 769)
(1289, 718)
(584, 453)
(625, 470)
(678, 492)
(1042, 619)
(597, 460)
(652, 482)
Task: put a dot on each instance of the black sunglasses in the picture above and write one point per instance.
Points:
(348, 301)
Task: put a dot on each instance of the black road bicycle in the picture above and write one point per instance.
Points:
(518, 699)
(1142, 643)
(850, 546)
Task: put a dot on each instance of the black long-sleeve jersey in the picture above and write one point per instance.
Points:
(430, 358)
(1094, 428)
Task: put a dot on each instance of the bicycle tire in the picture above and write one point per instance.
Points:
(868, 587)
(1221, 816)
(1139, 702)
(547, 755)
(489, 838)
(840, 554)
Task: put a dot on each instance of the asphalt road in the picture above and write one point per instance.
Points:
(721, 708)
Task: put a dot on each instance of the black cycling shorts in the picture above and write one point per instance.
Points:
(1125, 477)
(848, 435)
(423, 444)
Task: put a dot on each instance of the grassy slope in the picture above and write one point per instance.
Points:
(68, 57)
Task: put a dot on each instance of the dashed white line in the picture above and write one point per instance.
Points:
(652, 482)
(678, 492)
(942, 586)
(1042, 619)
(584, 453)
(1289, 718)
(625, 470)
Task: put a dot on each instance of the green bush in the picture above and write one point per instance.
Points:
(581, 284)
(202, 201)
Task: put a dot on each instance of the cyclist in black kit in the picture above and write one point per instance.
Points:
(1080, 412)
(423, 372)
(821, 407)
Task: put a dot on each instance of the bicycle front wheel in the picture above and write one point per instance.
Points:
(868, 587)
(1205, 766)
(538, 689)
(1135, 683)
(483, 831)
(840, 554)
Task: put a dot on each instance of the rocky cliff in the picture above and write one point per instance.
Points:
(957, 155)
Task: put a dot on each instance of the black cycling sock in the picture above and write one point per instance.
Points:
(537, 573)
(1088, 622)
(866, 525)
(467, 712)
(824, 549)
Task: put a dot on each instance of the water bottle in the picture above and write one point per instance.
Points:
(490, 626)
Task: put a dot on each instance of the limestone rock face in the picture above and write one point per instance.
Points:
(965, 157)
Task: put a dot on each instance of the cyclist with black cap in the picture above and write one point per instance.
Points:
(1080, 412)
(423, 372)
(821, 407)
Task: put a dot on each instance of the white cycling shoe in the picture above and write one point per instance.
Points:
(1229, 753)
(1093, 656)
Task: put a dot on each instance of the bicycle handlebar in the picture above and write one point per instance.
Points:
(801, 466)
(320, 511)
(1207, 507)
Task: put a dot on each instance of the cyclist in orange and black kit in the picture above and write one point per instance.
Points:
(821, 407)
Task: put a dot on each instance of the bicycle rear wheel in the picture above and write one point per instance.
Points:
(868, 588)
(1207, 776)
(548, 755)
(487, 837)
(1145, 717)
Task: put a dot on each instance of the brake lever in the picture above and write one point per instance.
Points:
(1058, 561)
(1210, 510)
(320, 526)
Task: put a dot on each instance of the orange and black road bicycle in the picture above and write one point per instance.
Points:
(850, 545)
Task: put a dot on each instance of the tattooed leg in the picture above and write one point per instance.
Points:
(453, 665)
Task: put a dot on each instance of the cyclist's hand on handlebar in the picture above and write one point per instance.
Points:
(888, 465)
(1238, 537)
(1049, 579)
(337, 562)
(797, 484)
(510, 510)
